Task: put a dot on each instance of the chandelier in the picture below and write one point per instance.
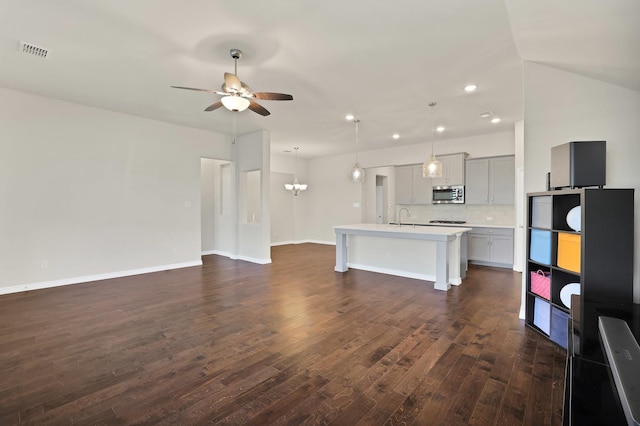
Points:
(296, 187)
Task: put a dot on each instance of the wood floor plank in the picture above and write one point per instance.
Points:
(435, 408)
(514, 404)
(289, 343)
(413, 404)
(487, 409)
(557, 398)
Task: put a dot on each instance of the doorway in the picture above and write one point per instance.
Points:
(216, 207)
(382, 202)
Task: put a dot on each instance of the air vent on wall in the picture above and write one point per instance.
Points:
(33, 50)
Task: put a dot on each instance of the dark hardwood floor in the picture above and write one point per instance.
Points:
(288, 343)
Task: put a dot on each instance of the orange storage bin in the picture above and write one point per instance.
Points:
(569, 251)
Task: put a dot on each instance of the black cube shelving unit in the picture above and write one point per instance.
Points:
(603, 244)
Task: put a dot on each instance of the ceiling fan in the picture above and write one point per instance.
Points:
(236, 95)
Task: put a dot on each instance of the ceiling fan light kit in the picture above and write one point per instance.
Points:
(236, 95)
(235, 103)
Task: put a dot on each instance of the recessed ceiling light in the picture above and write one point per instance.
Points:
(349, 117)
(495, 120)
(485, 114)
(470, 88)
(396, 136)
(440, 129)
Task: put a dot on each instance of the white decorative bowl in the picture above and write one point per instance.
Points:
(574, 218)
(567, 291)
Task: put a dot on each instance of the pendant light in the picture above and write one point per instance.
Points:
(432, 168)
(296, 187)
(356, 174)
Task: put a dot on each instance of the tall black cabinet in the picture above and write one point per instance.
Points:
(581, 241)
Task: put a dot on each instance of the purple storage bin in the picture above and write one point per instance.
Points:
(542, 315)
(559, 327)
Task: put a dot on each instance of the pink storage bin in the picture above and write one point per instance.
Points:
(541, 284)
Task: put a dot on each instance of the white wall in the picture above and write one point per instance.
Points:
(334, 200)
(561, 107)
(282, 209)
(87, 192)
(252, 153)
(489, 145)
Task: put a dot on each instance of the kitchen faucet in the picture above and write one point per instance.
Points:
(400, 215)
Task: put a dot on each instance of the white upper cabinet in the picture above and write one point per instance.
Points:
(411, 187)
(453, 170)
(490, 180)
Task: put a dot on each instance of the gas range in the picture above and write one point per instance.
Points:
(453, 222)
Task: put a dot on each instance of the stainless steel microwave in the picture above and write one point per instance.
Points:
(448, 194)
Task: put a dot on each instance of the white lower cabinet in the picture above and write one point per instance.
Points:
(491, 247)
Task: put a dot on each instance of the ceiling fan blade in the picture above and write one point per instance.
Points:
(193, 88)
(267, 96)
(232, 82)
(256, 107)
(214, 106)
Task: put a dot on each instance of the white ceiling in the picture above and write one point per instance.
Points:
(382, 61)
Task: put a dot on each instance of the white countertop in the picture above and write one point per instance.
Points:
(468, 225)
(404, 231)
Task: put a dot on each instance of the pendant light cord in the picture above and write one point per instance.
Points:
(234, 126)
(433, 138)
(357, 138)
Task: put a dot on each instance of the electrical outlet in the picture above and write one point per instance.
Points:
(489, 218)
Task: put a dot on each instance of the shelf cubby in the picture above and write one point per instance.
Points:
(561, 207)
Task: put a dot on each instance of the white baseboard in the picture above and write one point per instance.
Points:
(97, 277)
(254, 260)
(218, 252)
(237, 257)
(330, 243)
(282, 243)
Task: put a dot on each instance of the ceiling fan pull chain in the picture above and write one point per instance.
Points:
(234, 127)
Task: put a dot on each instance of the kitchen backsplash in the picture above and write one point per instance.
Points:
(501, 215)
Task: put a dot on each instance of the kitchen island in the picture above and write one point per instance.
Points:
(432, 253)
